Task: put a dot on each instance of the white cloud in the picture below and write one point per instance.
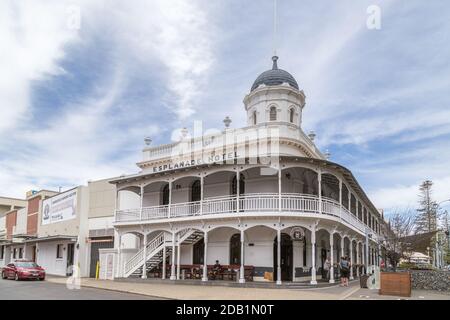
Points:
(407, 196)
(33, 35)
(83, 139)
(176, 43)
(174, 34)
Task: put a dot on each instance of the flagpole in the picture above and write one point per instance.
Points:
(275, 26)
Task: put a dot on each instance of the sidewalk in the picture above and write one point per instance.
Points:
(366, 294)
(198, 292)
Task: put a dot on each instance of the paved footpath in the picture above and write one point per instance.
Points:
(199, 292)
(48, 290)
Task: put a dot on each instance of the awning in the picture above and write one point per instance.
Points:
(24, 236)
(98, 240)
(53, 238)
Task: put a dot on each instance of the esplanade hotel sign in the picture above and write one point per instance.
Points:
(260, 203)
(227, 147)
(215, 159)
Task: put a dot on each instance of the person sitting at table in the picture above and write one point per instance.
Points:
(216, 269)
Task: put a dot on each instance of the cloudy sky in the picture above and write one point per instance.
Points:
(77, 96)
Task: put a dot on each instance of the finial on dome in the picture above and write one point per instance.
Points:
(275, 64)
(227, 121)
(148, 141)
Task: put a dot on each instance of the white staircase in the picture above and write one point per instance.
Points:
(191, 236)
(133, 267)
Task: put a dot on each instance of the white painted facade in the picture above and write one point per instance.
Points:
(69, 234)
(2, 227)
(21, 223)
(7, 205)
(47, 257)
(241, 210)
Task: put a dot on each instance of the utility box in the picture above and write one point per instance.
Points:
(395, 284)
(363, 281)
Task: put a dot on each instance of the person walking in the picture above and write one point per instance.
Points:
(344, 266)
(326, 268)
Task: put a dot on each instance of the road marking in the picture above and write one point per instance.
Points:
(349, 293)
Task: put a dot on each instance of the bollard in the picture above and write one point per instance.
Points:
(97, 270)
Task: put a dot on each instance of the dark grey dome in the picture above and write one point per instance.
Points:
(275, 77)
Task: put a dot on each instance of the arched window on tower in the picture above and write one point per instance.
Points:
(291, 115)
(273, 114)
(254, 118)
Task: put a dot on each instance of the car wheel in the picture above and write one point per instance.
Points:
(16, 277)
(4, 275)
(41, 279)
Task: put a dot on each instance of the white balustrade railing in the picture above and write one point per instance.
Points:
(159, 212)
(219, 205)
(135, 261)
(128, 215)
(260, 203)
(185, 209)
(247, 203)
(307, 204)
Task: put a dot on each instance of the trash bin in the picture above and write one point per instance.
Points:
(363, 281)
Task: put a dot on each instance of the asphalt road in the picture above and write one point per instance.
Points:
(43, 290)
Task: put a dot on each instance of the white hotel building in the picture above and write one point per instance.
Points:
(263, 200)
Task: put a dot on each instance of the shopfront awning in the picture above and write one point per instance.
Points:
(23, 236)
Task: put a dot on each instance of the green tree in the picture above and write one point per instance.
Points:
(401, 225)
(427, 214)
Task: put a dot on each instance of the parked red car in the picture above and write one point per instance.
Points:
(23, 269)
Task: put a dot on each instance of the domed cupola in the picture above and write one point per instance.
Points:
(275, 77)
(275, 98)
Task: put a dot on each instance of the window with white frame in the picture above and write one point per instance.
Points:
(20, 253)
(59, 251)
(2, 252)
